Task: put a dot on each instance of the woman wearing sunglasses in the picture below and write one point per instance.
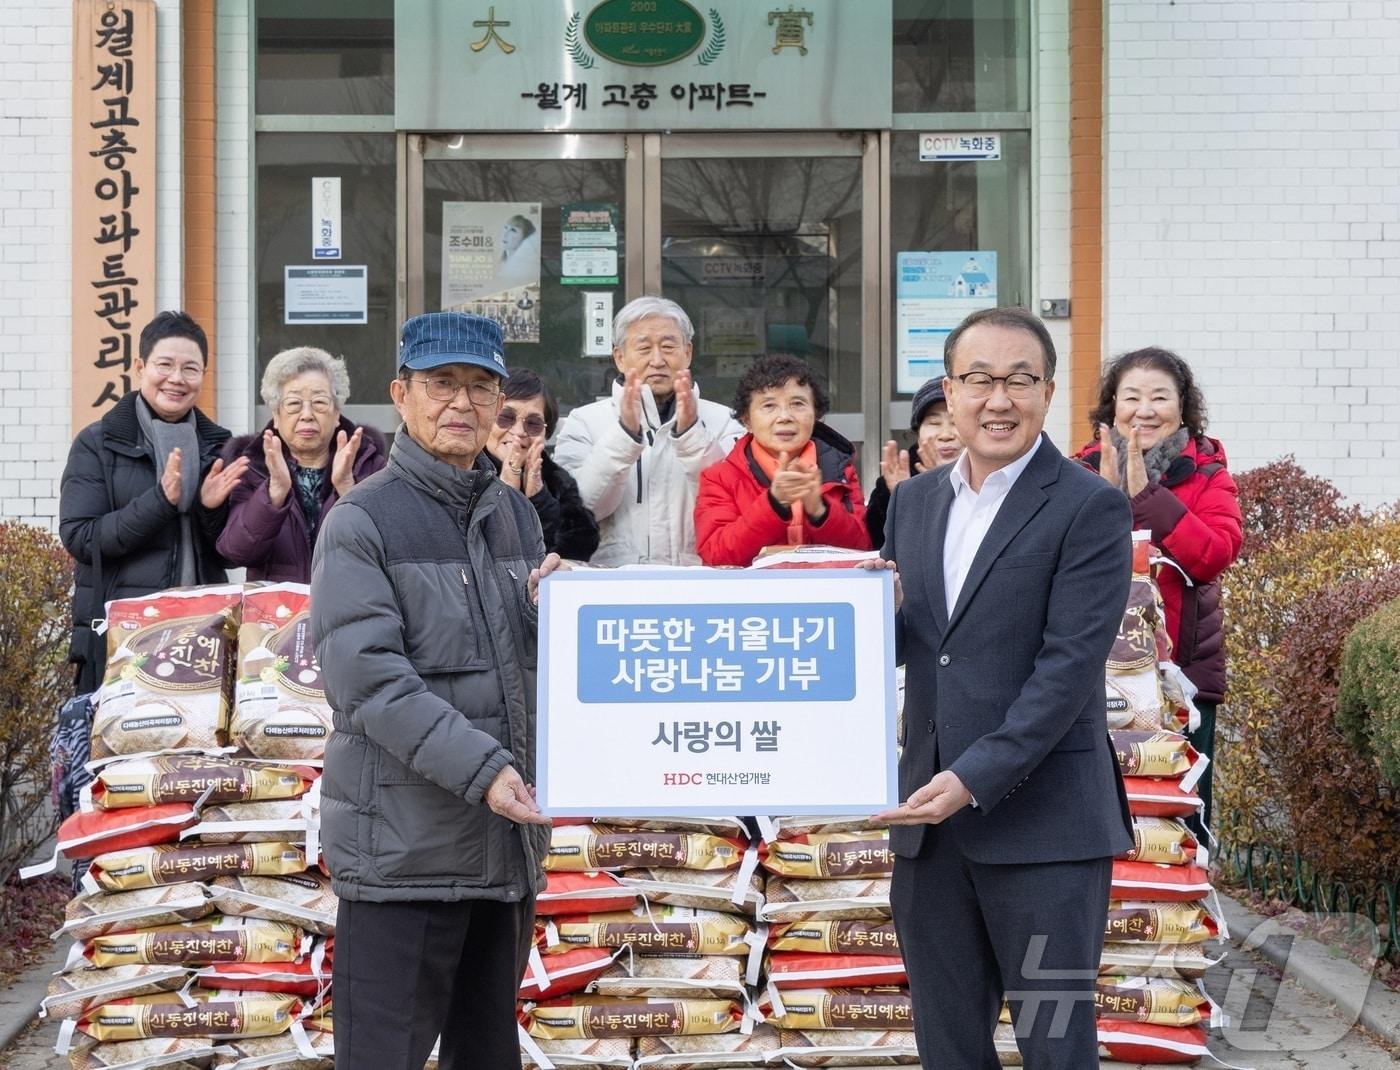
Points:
(527, 418)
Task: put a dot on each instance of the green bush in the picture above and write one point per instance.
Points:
(35, 592)
(1368, 700)
(1285, 774)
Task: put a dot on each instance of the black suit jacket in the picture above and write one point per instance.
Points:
(1008, 690)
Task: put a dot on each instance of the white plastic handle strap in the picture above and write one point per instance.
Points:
(767, 829)
(89, 883)
(741, 881)
(1218, 914)
(1202, 856)
(40, 868)
(757, 941)
(302, 1042)
(1194, 774)
(85, 797)
(318, 960)
(204, 797)
(551, 934)
(184, 992)
(65, 1036)
(776, 999)
(533, 1050)
(537, 968)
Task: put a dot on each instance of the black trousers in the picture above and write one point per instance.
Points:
(973, 934)
(403, 973)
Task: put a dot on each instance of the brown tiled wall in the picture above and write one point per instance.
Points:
(197, 22)
(1086, 207)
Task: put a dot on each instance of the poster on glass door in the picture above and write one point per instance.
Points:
(934, 292)
(491, 263)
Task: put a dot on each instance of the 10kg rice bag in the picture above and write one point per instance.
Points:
(149, 867)
(591, 848)
(828, 855)
(590, 1017)
(188, 778)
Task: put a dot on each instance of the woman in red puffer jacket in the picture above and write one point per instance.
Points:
(791, 480)
(1150, 440)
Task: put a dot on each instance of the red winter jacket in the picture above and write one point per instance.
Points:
(735, 518)
(1194, 516)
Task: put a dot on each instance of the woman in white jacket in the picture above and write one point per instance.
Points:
(637, 456)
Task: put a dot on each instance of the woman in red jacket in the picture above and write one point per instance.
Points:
(791, 480)
(1150, 440)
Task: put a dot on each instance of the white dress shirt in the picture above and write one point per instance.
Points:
(971, 516)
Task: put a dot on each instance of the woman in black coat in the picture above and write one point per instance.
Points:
(516, 447)
(144, 493)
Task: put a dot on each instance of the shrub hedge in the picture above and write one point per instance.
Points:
(1368, 701)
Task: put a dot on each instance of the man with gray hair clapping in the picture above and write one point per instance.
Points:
(637, 456)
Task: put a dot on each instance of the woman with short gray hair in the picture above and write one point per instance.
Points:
(306, 458)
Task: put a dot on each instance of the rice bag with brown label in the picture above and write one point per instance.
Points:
(707, 1050)
(255, 822)
(1186, 961)
(588, 1017)
(1152, 753)
(704, 889)
(1135, 645)
(280, 710)
(149, 867)
(731, 828)
(842, 1008)
(682, 976)
(846, 1047)
(1136, 701)
(830, 855)
(196, 943)
(1158, 923)
(188, 778)
(280, 1051)
(95, 913)
(305, 900)
(70, 994)
(852, 899)
(836, 937)
(1161, 839)
(173, 1053)
(256, 1015)
(661, 930)
(1159, 1000)
(169, 679)
(604, 1053)
(589, 848)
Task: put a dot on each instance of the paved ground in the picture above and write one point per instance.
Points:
(1276, 1025)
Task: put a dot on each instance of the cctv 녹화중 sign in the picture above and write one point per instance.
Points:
(716, 691)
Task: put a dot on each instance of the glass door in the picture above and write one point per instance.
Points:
(768, 241)
(528, 230)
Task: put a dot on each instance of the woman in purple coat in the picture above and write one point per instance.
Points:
(304, 460)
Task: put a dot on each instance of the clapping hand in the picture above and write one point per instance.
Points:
(534, 468)
(894, 464)
(347, 448)
(630, 406)
(686, 411)
(170, 478)
(220, 481)
(279, 476)
(1108, 461)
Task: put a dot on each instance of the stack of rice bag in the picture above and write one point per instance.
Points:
(835, 988)
(647, 942)
(203, 928)
(1151, 1002)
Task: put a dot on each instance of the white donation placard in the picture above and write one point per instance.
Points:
(716, 691)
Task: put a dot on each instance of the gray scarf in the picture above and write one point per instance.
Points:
(1157, 459)
(164, 437)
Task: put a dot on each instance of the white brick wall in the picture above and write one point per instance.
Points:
(1252, 222)
(1050, 192)
(35, 240)
(234, 205)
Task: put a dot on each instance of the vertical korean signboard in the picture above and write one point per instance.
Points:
(114, 196)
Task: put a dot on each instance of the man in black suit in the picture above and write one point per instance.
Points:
(1013, 572)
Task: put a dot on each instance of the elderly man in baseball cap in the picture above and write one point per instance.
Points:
(423, 593)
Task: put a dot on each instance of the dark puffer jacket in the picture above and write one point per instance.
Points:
(427, 642)
(1194, 516)
(569, 527)
(111, 502)
(271, 541)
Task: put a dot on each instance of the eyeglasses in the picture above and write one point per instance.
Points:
(321, 404)
(981, 385)
(167, 369)
(445, 388)
(533, 422)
